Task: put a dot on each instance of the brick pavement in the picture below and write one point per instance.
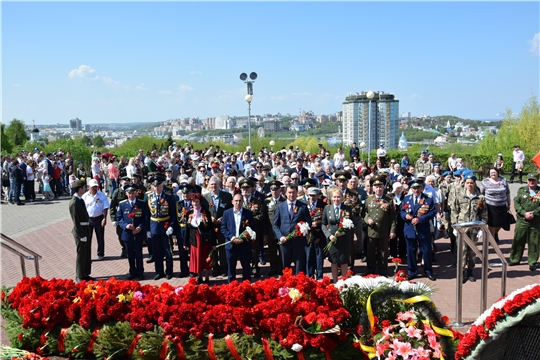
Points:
(51, 237)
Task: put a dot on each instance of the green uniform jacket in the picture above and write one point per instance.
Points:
(383, 214)
(468, 209)
(118, 195)
(269, 210)
(80, 218)
(524, 202)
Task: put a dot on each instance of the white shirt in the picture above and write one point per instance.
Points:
(381, 152)
(237, 221)
(95, 204)
(29, 173)
(518, 155)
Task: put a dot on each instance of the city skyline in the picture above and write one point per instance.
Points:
(149, 62)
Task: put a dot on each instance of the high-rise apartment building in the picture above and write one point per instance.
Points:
(381, 126)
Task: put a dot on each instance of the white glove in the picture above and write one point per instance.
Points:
(149, 234)
(114, 223)
(169, 231)
(455, 232)
(480, 233)
(83, 239)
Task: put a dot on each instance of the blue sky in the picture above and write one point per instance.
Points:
(137, 61)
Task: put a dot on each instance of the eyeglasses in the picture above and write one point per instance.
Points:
(206, 179)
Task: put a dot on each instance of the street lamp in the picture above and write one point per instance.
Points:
(362, 146)
(370, 95)
(249, 98)
(272, 143)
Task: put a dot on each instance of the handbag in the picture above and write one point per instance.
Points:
(511, 218)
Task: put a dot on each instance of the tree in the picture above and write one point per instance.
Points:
(98, 141)
(16, 132)
(7, 146)
(86, 140)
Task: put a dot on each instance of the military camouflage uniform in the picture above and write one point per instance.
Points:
(526, 231)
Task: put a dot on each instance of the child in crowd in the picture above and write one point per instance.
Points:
(72, 179)
(47, 191)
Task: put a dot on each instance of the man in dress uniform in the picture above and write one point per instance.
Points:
(381, 220)
(81, 232)
(254, 204)
(527, 205)
(218, 202)
(132, 219)
(119, 195)
(417, 211)
(162, 219)
(351, 198)
(317, 239)
(183, 206)
(269, 209)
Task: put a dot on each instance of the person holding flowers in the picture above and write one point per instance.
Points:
(417, 210)
(289, 215)
(470, 205)
(199, 239)
(234, 222)
(317, 239)
(381, 220)
(132, 217)
(339, 237)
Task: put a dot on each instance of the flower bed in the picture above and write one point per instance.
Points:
(505, 313)
(290, 317)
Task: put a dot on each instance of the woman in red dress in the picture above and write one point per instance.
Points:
(200, 239)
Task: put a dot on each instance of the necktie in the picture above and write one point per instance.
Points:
(291, 210)
(337, 212)
(131, 204)
(216, 204)
(415, 201)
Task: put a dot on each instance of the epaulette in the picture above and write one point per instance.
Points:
(371, 195)
(123, 201)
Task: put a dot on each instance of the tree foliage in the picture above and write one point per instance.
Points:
(98, 141)
(7, 146)
(17, 133)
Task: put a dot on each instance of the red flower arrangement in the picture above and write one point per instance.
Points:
(487, 327)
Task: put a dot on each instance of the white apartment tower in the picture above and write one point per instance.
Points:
(381, 126)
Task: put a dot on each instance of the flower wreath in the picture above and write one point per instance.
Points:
(509, 311)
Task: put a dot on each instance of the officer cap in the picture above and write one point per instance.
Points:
(313, 191)
(378, 180)
(308, 182)
(532, 176)
(168, 170)
(343, 175)
(327, 182)
(254, 179)
(125, 178)
(135, 175)
(246, 183)
(275, 184)
(78, 184)
(129, 188)
(319, 174)
(156, 180)
(416, 183)
(186, 188)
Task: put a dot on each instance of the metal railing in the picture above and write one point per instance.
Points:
(11, 245)
(487, 239)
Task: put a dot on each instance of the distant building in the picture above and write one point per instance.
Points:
(75, 125)
(381, 127)
(273, 126)
(402, 145)
(222, 122)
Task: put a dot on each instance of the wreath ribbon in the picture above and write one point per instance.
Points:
(180, 350)
(62, 340)
(300, 355)
(164, 348)
(211, 352)
(93, 339)
(369, 311)
(369, 350)
(232, 348)
(266, 349)
(133, 344)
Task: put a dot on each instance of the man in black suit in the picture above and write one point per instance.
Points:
(234, 222)
(299, 169)
(218, 202)
(288, 214)
(81, 232)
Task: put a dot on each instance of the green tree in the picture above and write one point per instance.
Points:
(86, 140)
(98, 141)
(16, 132)
(7, 146)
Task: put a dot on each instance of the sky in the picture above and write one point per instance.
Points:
(124, 62)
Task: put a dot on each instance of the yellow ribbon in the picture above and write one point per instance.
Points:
(369, 311)
(369, 350)
(415, 299)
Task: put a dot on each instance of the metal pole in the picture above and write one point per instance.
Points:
(23, 266)
(369, 135)
(459, 280)
(249, 127)
(485, 264)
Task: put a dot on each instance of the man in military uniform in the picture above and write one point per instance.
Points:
(183, 206)
(269, 208)
(218, 201)
(119, 195)
(137, 184)
(168, 183)
(381, 220)
(306, 184)
(422, 165)
(470, 205)
(162, 221)
(527, 206)
(316, 238)
(351, 199)
(254, 204)
(81, 232)
(132, 219)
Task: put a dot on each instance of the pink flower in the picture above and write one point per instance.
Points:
(178, 289)
(139, 295)
(283, 291)
(433, 342)
(402, 349)
(413, 332)
(422, 353)
(381, 347)
(405, 316)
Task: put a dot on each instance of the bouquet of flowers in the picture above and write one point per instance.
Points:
(247, 235)
(344, 225)
(301, 229)
(316, 214)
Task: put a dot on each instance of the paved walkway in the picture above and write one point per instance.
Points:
(46, 228)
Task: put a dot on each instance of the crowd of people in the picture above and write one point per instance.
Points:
(215, 208)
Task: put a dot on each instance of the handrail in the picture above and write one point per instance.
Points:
(6, 241)
(487, 239)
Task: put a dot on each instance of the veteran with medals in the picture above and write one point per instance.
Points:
(269, 209)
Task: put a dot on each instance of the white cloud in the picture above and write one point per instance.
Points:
(108, 80)
(193, 72)
(17, 85)
(83, 72)
(415, 97)
(140, 87)
(535, 44)
(184, 88)
(165, 92)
